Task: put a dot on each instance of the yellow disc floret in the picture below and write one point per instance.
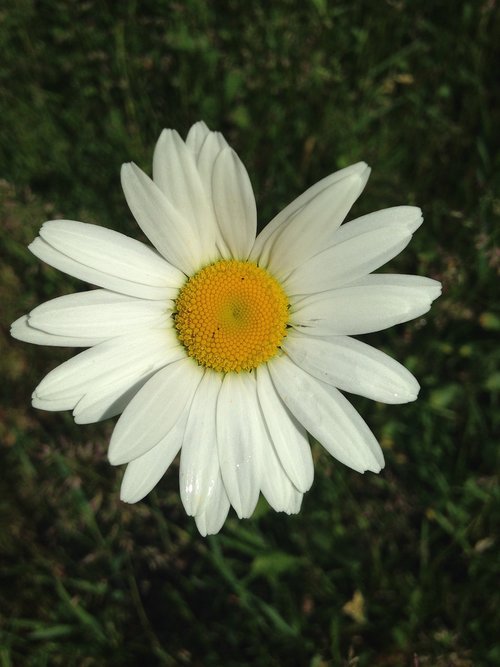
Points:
(231, 316)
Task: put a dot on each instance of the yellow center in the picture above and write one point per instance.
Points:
(231, 316)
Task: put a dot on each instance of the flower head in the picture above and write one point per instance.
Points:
(223, 346)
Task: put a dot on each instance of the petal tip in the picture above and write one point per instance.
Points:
(377, 465)
(361, 170)
(127, 169)
(201, 524)
(32, 247)
(129, 496)
(408, 397)
(115, 457)
(16, 326)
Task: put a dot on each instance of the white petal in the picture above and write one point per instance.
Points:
(22, 330)
(98, 384)
(207, 153)
(276, 486)
(54, 405)
(288, 436)
(352, 366)
(109, 251)
(327, 415)
(263, 244)
(143, 473)
(431, 286)
(169, 231)
(98, 315)
(199, 468)
(234, 203)
(347, 261)
(295, 503)
(106, 258)
(109, 363)
(312, 228)
(196, 136)
(239, 436)
(105, 401)
(275, 483)
(176, 174)
(154, 411)
(211, 518)
(396, 217)
(373, 303)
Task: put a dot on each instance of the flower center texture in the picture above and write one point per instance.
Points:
(231, 316)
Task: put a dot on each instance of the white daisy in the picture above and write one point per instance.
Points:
(223, 346)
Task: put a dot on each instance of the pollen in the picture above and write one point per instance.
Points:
(231, 316)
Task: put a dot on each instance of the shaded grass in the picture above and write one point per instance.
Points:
(300, 89)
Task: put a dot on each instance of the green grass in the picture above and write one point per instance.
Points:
(300, 88)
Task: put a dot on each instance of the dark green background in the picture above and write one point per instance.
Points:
(300, 88)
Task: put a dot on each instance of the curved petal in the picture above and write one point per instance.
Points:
(347, 261)
(275, 483)
(176, 174)
(207, 155)
(21, 330)
(276, 486)
(109, 363)
(105, 401)
(196, 136)
(54, 405)
(352, 366)
(313, 227)
(106, 258)
(199, 467)
(143, 473)
(154, 411)
(169, 231)
(211, 517)
(234, 204)
(288, 436)
(396, 217)
(110, 393)
(327, 415)
(264, 242)
(370, 304)
(98, 315)
(239, 437)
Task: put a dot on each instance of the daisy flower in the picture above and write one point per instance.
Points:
(227, 347)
